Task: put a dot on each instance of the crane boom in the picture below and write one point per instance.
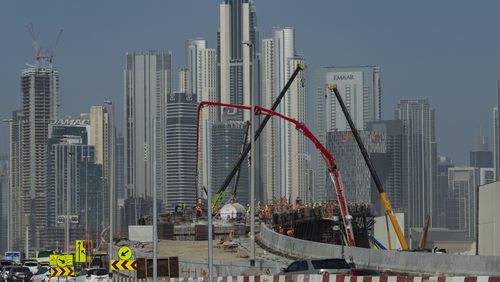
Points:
(333, 172)
(300, 67)
(373, 172)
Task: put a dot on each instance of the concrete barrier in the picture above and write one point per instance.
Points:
(330, 278)
(405, 262)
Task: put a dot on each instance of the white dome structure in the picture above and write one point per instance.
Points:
(232, 211)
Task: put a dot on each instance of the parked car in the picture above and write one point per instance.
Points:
(5, 272)
(33, 265)
(318, 266)
(365, 272)
(42, 275)
(4, 262)
(19, 273)
(93, 274)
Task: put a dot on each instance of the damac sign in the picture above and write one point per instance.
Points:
(70, 122)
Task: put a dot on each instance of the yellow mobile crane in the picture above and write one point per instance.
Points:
(383, 197)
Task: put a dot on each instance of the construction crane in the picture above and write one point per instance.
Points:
(43, 54)
(425, 232)
(220, 195)
(378, 183)
(243, 145)
(333, 171)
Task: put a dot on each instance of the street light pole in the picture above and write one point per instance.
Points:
(9, 212)
(86, 196)
(251, 46)
(111, 152)
(68, 198)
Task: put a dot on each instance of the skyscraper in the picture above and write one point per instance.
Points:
(355, 174)
(181, 150)
(100, 138)
(419, 160)
(389, 165)
(283, 146)
(4, 203)
(193, 46)
(147, 84)
(360, 90)
(75, 186)
(238, 24)
(463, 183)
(207, 91)
(226, 142)
(40, 92)
(15, 176)
(496, 131)
(237, 47)
(66, 132)
(443, 164)
(481, 156)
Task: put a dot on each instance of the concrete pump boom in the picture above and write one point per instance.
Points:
(333, 172)
(229, 178)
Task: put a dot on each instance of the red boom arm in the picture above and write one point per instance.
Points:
(332, 166)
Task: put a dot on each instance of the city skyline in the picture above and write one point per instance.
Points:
(430, 62)
(232, 74)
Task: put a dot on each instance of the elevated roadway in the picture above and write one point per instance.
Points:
(395, 261)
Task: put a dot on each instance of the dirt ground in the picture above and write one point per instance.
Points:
(196, 250)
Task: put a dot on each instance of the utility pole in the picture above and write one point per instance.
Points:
(155, 212)
(68, 199)
(251, 46)
(86, 196)
(10, 179)
(111, 183)
(209, 204)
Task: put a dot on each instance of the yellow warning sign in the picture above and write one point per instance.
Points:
(125, 252)
(80, 251)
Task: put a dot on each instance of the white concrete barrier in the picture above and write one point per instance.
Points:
(331, 278)
(407, 262)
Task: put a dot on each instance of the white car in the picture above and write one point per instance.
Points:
(32, 265)
(92, 274)
(42, 275)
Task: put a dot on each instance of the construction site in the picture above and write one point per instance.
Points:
(272, 235)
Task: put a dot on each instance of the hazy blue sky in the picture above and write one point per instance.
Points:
(447, 51)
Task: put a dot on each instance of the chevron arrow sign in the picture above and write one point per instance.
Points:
(123, 264)
(62, 271)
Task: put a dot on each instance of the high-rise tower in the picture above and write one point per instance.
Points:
(360, 89)
(207, 91)
(238, 24)
(40, 92)
(283, 146)
(193, 46)
(181, 150)
(496, 131)
(420, 159)
(147, 84)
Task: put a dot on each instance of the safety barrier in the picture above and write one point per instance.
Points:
(330, 278)
(397, 261)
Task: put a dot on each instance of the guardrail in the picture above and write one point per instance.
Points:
(331, 278)
(397, 261)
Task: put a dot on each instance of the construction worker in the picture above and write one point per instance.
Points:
(281, 230)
